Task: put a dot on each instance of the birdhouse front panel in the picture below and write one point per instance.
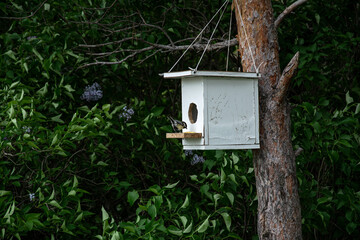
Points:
(192, 95)
(223, 107)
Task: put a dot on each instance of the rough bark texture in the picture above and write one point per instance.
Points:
(279, 214)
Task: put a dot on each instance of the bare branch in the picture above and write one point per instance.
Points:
(288, 10)
(29, 16)
(285, 78)
(117, 62)
(105, 44)
(161, 29)
(158, 47)
(198, 46)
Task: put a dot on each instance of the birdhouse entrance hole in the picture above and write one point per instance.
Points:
(193, 113)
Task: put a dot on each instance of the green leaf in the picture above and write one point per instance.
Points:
(222, 176)
(105, 215)
(55, 204)
(57, 119)
(186, 202)
(232, 177)
(357, 110)
(152, 211)
(188, 228)
(106, 107)
(175, 231)
(72, 193)
(79, 217)
(54, 140)
(75, 182)
(132, 197)
(24, 114)
(32, 144)
(37, 54)
(101, 163)
(183, 220)
(170, 186)
(204, 226)
(227, 220)
(47, 7)
(14, 121)
(235, 158)
(350, 228)
(157, 111)
(11, 54)
(69, 88)
(349, 99)
(230, 197)
(4, 193)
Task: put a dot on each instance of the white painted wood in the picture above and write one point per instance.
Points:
(192, 91)
(228, 109)
(191, 73)
(231, 111)
(221, 147)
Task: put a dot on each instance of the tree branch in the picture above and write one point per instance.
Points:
(117, 62)
(32, 14)
(285, 78)
(158, 47)
(288, 10)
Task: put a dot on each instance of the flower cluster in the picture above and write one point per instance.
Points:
(92, 93)
(188, 153)
(195, 158)
(32, 196)
(31, 37)
(126, 114)
(26, 129)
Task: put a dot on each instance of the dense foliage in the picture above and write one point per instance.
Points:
(82, 148)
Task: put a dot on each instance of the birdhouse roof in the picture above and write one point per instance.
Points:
(192, 73)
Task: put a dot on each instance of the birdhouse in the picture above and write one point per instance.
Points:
(221, 110)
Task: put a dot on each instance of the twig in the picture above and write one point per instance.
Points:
(31, 15)
(288, 10)
(105, 44)
(117, 62)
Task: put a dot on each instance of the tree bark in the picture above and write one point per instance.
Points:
(279, 212)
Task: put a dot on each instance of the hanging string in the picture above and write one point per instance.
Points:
(228, 49)
(208, 43)
(225, 3)
(242, 24)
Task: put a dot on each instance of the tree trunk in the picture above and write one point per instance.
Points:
(279, 212)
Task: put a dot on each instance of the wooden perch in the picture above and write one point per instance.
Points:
(285, 78)
(184, 135)
(288, 10)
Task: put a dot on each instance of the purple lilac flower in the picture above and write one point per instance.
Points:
(188, 153)
(31, 37)
(26, 129)
(32, 196)
(92, 93)
(197, 159)
(126, 114)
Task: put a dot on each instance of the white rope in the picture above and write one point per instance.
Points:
(228, 50)
(242, 24)
(212, 34)
(199, 35)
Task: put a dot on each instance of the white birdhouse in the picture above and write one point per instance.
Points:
(221, 110)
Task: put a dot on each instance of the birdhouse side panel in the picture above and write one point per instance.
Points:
(231, 111)
(192, 92)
